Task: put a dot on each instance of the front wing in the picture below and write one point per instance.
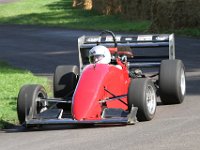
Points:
(109, 116)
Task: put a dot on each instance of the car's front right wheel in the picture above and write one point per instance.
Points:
(28, 101)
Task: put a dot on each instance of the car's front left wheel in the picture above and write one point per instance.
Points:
(142, 94)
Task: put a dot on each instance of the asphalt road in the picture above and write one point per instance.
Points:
(40, 50)
(7, 1)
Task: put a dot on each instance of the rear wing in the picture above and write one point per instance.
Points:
(140, 59)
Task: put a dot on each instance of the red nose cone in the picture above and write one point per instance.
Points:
(89, 91)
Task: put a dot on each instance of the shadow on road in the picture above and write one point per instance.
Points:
(6, 125)
(15, 129)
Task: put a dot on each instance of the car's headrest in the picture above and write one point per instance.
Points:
(127, 51)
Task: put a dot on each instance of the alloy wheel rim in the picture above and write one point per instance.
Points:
(151, 100)
(41, 105)
(182, 83)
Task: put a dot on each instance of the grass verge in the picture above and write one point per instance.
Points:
(61, 13)
(195, 32)
(11, 80)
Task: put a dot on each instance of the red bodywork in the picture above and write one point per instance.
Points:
(91, 89)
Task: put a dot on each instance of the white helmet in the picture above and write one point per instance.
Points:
(100, 54)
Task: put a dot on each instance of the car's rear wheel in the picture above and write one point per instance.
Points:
(28, 103)
(142, 94)
(65, 80)
(172, 82)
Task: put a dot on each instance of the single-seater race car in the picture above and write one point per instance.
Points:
(117, 93)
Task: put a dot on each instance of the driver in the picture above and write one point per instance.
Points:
(99, 54)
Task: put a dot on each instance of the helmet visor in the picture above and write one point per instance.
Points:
(95, 58)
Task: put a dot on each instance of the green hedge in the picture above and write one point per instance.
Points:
(164, 14)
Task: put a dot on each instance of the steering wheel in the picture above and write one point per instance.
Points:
(109, 33)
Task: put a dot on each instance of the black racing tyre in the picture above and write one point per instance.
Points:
(172, 84)
(27, 99)
(142, 94)
(65, 80)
